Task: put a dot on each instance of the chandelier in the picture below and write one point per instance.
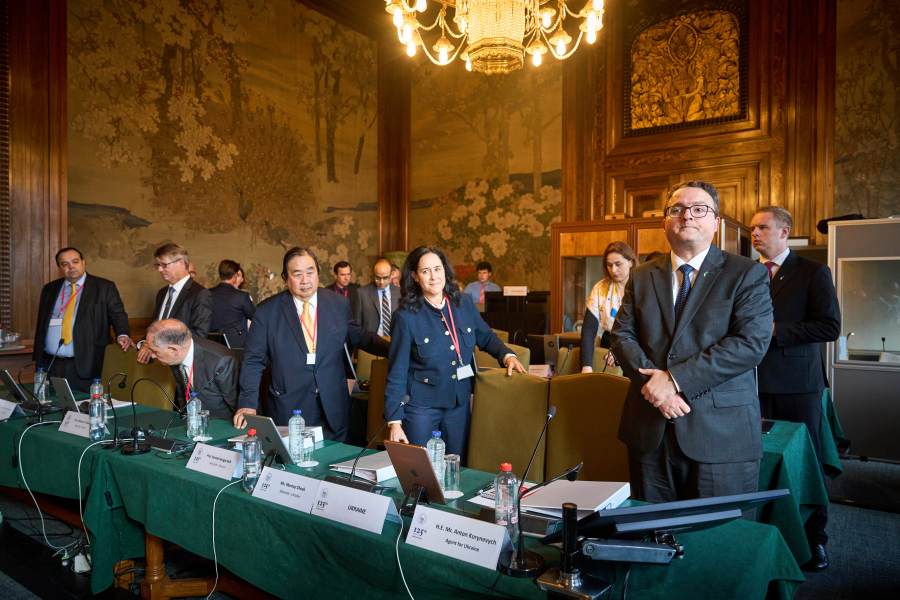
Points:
(493, 36)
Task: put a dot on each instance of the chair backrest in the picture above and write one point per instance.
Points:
(364, 365)
(523, 353)
(116, 361)
(377, 385)
(507, 416)
(589, 407)
(147, 393)
(486, 360)
(570, 362)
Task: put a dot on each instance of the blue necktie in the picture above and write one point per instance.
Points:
(684, 290)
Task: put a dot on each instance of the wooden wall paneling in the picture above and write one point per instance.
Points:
(578, 90)
(5, 211)
(37, 149)
(394, 104)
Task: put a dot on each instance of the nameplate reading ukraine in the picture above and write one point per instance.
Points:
(217, 462)
(462, 538)
(287, 489)
(353, 507)
(77, 424)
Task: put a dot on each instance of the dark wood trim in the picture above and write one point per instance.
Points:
(394, 106)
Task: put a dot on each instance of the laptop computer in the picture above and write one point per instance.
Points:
(413, 467)
(26, 401)
(65, 399)
(269, 437)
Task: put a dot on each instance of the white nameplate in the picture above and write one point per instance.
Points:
(462, 538)
(77, 424)
(515, 290)
(6, 409)
(353, 507)
(539, 370)
(287, 489)
(217, 462)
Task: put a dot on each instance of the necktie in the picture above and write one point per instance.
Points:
(185, 378)
(168, 308)
(385, 313)
(770, 266)
(684, 290)
(308, 327)
(69, 318)
(481, 295)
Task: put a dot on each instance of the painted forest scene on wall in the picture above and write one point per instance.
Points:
(486, 156)
(236, 129)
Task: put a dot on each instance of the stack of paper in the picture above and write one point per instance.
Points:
(373, 467)
(590, 496)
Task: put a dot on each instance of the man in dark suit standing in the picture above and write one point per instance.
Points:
(300, 334)
(343, 282)
(231, 306)
(73, 321)
(183, 298)
(198, 365)
(378, 301)
(792, 374)
(691, 329)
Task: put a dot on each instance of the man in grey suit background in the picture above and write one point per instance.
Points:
(378, 301)
(692, 327)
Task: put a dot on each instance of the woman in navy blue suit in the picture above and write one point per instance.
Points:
(431, 367)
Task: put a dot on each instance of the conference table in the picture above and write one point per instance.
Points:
(130, 503)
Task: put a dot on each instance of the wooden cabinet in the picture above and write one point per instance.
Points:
(576, 261)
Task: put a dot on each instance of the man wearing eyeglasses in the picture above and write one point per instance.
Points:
(182, 298)
(692, 327)
(378, 301)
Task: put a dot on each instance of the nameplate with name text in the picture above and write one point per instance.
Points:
(218, 462)
(515, 290)
(77, 424)
(353, 507)
(287, 489)
(7, 408)
(469, 540)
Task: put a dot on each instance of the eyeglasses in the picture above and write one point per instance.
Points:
(165, 265)
(384, 278)
(698, 211)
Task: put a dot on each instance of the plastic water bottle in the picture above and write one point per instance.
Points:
(435, 447)
(193, 416)
(296, 425)
(40, 385)
(252, 461)
(506, 495)
(97, 412)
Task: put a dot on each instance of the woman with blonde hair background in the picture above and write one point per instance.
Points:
(604, 301)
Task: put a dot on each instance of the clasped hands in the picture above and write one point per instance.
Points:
(660, 391)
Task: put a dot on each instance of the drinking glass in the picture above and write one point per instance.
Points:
(451, 477)
(308, 436)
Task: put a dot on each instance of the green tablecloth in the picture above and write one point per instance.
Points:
(789, 461)
(279, 550)
(831, 434)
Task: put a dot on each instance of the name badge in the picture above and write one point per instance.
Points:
(353, 507)
(55, 322)
(469, 540)
(311, 358)
(6, 409)
(287, 489)
(214, 461)
(76, 424)
(464, 372)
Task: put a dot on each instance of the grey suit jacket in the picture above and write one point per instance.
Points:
(368, 309)
(722, 335)
(215, 379)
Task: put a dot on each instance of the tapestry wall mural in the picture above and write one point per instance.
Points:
(237, 129)
(486, 155)
(867, 120)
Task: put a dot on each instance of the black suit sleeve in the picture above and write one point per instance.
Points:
(823, 322)
(247, 306)
(589, 328)
(357, 338)
(256, 359)
(201, 313)
(115, 311)
(226, 379)
(625, 342)
(749, 333)
(40, 328)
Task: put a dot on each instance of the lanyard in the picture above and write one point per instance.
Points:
(451, 328)
(314, 333)
(62, 294)
(190, 384)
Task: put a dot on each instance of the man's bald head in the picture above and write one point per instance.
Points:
(169, 341)
(382, 273)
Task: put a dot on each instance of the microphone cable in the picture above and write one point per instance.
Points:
(215, 555)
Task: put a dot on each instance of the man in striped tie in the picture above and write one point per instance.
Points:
(378, 301)
(692, 326)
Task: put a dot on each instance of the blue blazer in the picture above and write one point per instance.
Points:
(275, 341)
(422, 364)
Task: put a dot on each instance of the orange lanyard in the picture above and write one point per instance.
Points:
(62, 294)
(451, 328)
(315, 332)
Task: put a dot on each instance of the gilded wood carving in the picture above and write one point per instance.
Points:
(686, 69)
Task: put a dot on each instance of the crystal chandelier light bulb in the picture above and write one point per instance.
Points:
(421, 5)
(411, 49)
(537, 59)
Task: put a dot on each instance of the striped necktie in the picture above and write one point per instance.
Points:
(684, 290)
(385, 313)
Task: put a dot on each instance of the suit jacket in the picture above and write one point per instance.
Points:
(352, 294)
(422, 364)
(214, 378)
(368, 312)
(231, 309)
(193, 307)
(276, 341)
(806, 314)
(722, 335)
(99, 307)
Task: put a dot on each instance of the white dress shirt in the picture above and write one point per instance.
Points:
(177, 286)
(778, 260)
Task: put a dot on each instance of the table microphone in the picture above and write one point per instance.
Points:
(40, 405)
(112, 408)
(139, 444)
